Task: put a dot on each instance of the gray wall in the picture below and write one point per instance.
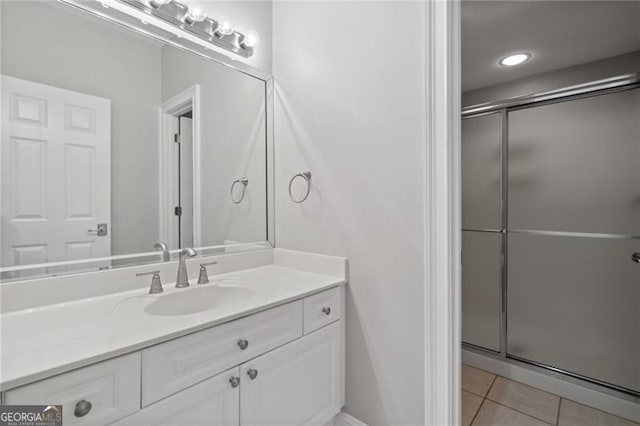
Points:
(350, 107)
(583, 73)
(54, 45)
(247, 15)
(233, 144)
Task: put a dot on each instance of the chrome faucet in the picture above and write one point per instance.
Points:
(183, 278)
(164, 248)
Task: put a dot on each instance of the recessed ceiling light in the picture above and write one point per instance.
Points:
(515, 59)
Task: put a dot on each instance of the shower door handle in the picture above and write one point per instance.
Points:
(636, 257)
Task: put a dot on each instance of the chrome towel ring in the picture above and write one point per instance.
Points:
(244, 181)
(307, 178)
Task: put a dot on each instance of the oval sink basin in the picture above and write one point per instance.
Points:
(200, 299)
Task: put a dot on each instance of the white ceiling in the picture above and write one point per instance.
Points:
(558, 34)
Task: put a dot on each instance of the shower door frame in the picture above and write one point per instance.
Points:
(586, 90)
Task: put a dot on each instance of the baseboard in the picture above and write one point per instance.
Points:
(621, 405)
(344, 419)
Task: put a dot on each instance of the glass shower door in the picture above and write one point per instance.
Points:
(573, 299)
(481, 235)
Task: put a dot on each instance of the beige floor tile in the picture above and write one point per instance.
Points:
(574, 414)
(476, 381)
(492, 414)
(531, 401)
(470, 405)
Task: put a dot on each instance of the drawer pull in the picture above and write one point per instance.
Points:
(252, 373)
(326, 310)
(235, 381)
(82, 408)
(243, 343)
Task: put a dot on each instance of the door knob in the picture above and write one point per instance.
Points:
(101, 231)
(636, 257)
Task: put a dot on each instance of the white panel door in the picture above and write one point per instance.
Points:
(301, 383)
(56, 174)
(214, 402)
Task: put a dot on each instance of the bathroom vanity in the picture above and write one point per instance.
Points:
(116, 162)
(267, 348)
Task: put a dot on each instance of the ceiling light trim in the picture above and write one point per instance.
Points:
(515, 59)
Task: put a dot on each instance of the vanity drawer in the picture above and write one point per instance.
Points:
(172, 366)
(323, 308)
(111, 387)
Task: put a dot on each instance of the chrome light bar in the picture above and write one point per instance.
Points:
(210, 30)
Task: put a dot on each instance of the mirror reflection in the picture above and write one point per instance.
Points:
(113, 142)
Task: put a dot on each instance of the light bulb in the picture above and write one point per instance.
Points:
(250, 40)
(515, 59)
(224, 27)
(158, 3)
(195, 14)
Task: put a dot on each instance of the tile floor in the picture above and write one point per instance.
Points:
(488, 399)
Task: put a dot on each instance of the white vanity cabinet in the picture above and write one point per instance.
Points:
(279, 366)
(298, 384)
(172, 366)
(93, 395)
(215, 401)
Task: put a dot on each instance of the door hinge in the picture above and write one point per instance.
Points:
(178, 211)
(177, 138)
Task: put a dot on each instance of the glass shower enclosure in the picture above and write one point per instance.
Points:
(551, 231)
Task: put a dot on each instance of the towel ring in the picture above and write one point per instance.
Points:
(244, 181)
(307, 177)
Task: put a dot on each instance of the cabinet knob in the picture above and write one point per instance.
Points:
(243, 343)
(252, 373)
(235, 381)
(636, 257)
(82, 408)
(326, 310)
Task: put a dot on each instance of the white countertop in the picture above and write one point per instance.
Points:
(48, 340)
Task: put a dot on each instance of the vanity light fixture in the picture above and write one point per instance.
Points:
(190, 18)
(224, 28)
(250, 39)
(194, 14)
(515, 59)
(158, 3)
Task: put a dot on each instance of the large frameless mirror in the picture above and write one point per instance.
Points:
(119, 148)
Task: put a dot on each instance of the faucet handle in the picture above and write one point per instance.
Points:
(203, 277)
(156, 282)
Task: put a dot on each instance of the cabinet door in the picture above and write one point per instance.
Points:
(213, 402)
(301, 383)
